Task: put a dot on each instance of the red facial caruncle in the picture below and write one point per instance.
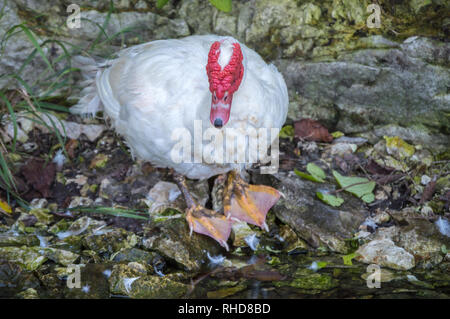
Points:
(223, 82)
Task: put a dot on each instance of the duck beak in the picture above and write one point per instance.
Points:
(220, 112)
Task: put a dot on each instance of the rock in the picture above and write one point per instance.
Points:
(80, 226)
(417, 236)
(26, 257)
(313, 221)
(352, 84)
(108, 241)
(226, 292)
(9, 239)
(42, 214)
(138, 255)
(80, 201)
(170, 238)
(309, 281)
(241, 231)
(162, 196)
(290, 239)
(14, 279)
(125, 280)
(417, 133)
(60, 256)
(385, 253)
(30, 293)
(19, 47)
(38, 203)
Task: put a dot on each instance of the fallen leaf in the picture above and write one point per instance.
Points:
(337, 134)
(362, 187)
(428, 191)
(71, 146)
(39, 175)
(329, 199)
(4, 207)
(312, 130)
(374, 168)
(317, 174)
(308, 177)
(315, 170)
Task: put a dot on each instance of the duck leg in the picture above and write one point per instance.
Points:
(249, 203)
(202, 220)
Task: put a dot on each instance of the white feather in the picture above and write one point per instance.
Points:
(153, 88)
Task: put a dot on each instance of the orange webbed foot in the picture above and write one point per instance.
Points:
(249, 203)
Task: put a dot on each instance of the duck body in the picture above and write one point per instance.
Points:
(154, 90)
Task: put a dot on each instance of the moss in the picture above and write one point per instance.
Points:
(226, 292)
(42, 215)
(306, 279)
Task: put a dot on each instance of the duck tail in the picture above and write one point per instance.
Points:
(89, 102)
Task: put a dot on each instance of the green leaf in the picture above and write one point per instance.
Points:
(444, 249)
(337, 134)
(161, 3)
(362, 187)
(321, 264)
(315, 171)
(330, 199)
(287, 132)
(348, 259)
(308, 177)
(222, 5)
(368, 198)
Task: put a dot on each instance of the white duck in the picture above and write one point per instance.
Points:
(157, 92)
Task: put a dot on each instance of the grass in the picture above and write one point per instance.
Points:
(45, 96)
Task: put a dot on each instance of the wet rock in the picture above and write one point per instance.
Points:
(81, 226)
(10, 239)
(30, 293)
(418, 236)
(14, 279)
(313, 221)
(26, 257)
(241, 231)
(309, 281)
(80, 201)
(138, 255)
(171, 239)
(43, 215)
(226, 292)
(385, 253)
(127, 281)
(290, 239)
(60, 256)
(108, 241)
(37, 203)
